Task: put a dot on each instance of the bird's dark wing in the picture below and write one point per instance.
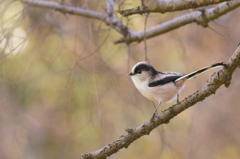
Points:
(164, 80)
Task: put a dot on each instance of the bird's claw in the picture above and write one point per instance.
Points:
(154, 115)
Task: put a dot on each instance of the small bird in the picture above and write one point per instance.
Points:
(162, 87)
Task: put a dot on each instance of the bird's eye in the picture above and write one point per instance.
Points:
(139, 71)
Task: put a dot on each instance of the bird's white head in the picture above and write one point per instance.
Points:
(142, 72)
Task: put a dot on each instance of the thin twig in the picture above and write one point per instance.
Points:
(96, 50)
(145, 42)
(165, 141)
(226, 38)
(128, 67)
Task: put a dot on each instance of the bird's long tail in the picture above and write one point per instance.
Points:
(193, 74)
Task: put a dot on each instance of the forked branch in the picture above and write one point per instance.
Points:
(201, 17)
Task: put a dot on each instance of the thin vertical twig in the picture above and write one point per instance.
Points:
(128, 65)
(76, 59)
(71, 80)
(165, 141)
(95, 78)
(145, 42)
(97, 96)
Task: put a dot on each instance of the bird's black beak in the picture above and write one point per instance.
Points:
(131, 74)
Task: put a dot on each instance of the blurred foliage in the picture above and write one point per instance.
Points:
(65, 89)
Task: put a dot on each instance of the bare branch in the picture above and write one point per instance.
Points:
(200, 17)
(129, 36)
(223, 76)
(65, 9)
(163, 6)
(111, 21)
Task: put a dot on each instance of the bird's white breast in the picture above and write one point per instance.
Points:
(164, 93)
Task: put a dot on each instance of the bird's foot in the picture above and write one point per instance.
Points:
(178, 99)
(154, 115)
(178, 102)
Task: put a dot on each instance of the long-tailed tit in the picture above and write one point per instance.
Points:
(161, 86)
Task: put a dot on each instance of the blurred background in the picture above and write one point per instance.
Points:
(65, 89)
